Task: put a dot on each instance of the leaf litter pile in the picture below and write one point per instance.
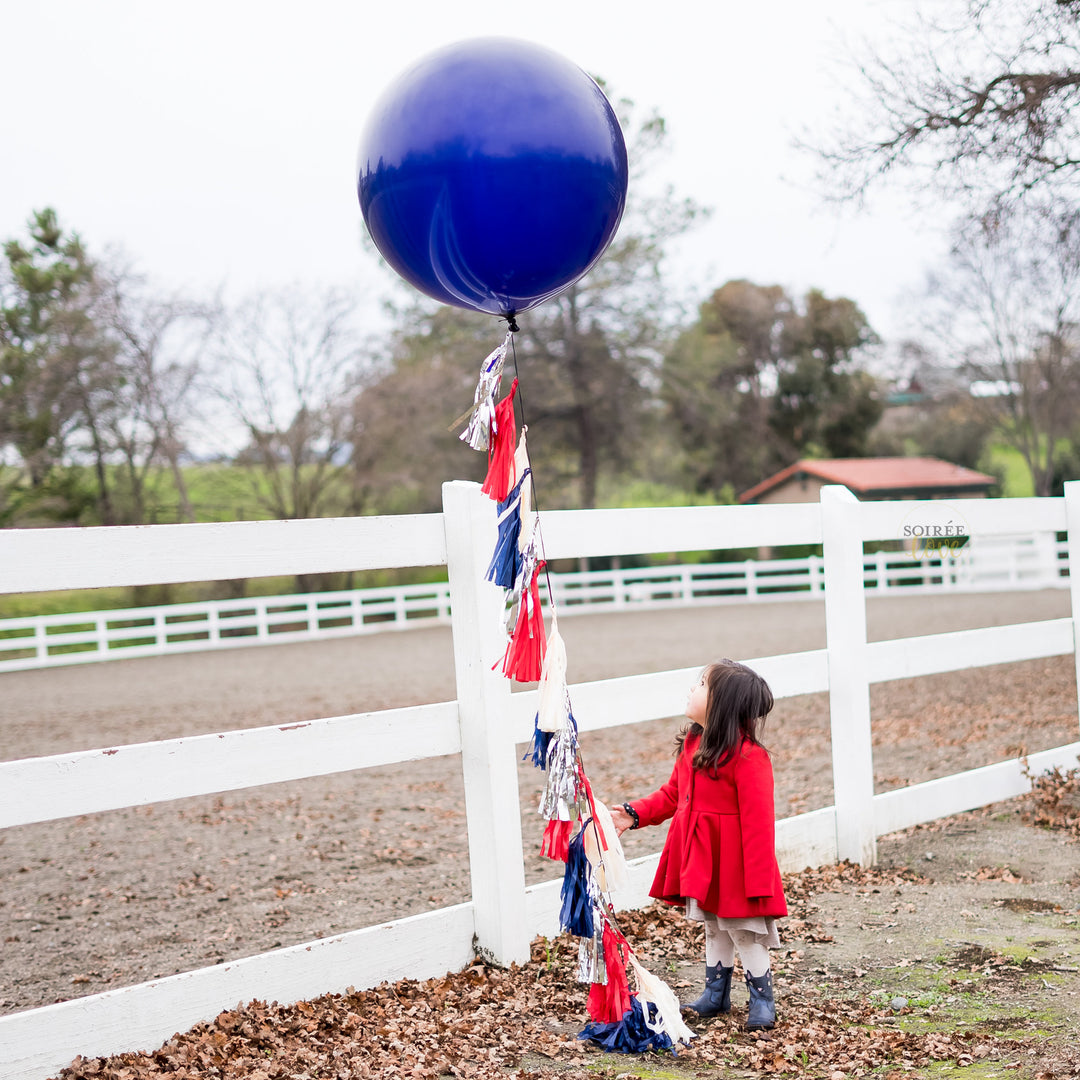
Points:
(523, 1021)
(1054, 801)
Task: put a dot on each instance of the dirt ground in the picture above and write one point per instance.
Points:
(941, 959)
(110, 899)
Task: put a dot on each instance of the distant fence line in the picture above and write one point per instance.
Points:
(1030, 561)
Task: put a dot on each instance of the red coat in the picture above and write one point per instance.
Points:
(720, 847)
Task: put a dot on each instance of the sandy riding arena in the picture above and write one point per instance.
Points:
(115, 898)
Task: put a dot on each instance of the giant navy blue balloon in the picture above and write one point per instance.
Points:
(492, 174)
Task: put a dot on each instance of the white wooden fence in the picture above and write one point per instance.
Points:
(485, 723)
(1026, 561)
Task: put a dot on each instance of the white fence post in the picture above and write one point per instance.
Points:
(488, 754)
(1072, 523)
(618, 587)
(1044, 544)
(849, 686)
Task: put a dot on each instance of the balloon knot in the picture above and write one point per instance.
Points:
(511, 323)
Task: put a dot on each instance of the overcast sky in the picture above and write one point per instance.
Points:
(215, 142)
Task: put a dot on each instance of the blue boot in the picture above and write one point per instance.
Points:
(717, 996)
(762, 1011)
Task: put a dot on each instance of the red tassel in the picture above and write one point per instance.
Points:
(609, 1002)
(556, 843)
(501, 447)
(524, 657)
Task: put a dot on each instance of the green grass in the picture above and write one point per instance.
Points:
(1017, 482)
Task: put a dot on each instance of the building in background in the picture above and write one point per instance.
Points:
(872, 478)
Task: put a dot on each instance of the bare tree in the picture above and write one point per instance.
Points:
(160, 342)
(404, 444)
(1007, 310)
(285, 365)
(978, 98)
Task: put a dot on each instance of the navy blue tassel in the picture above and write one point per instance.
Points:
(538, 750)
(576, 915)
(506, 561)
(631, 1035)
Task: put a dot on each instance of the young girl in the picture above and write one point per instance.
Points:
(719, 859)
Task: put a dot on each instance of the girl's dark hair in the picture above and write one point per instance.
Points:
(739, 699)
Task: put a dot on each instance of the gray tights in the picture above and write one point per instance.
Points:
(720, 946)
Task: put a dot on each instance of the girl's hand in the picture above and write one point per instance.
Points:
(620, 819)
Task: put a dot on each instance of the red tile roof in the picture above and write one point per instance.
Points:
(878, 475)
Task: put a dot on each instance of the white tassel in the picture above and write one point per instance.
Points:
(521, 460)
(652, 988)
(527, 534)
(609, 867)
(553, 707)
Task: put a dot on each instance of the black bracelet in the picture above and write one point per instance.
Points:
(634, 814)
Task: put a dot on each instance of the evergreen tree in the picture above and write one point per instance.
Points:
(55, 361)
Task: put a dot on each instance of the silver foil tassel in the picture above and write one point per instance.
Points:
(519, 592)
(482, 414)
(591, 967)
(563, 790)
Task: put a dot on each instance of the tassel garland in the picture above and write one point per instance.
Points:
(633, 1033)
(621, 1022)
(506, 561)
(609, 1001)
(525, 651)
(576, 914)
(482, 414)
(500, 474)
(556, 842)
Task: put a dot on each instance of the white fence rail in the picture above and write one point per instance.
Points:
(1013, 562)
(484, 723)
